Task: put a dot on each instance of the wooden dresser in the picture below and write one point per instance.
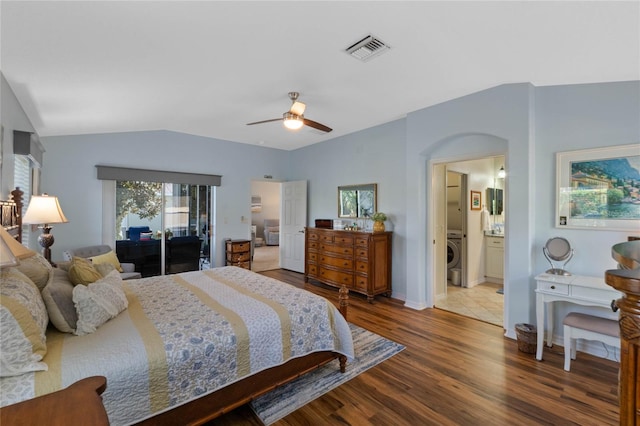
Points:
(359, 260)
(239, 253)
(628, 282)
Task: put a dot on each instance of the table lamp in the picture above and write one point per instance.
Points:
(44, 210)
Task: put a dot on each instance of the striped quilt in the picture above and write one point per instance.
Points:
(184, 336)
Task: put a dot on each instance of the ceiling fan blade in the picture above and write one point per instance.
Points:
(264, 121)
(297, 108)
(317, 125)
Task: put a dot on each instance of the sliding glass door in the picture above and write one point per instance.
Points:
(163, 227)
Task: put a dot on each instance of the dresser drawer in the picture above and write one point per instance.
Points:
(245, 265)
(312, 257)
(239, 247)
(594, 293)
(312, 245)
(326, 238)
(362, 267)
(238, 257)
(330, 248)
(362, 241)
(495, 242)
(362, 252)
(313, 236)
(343, 239)
(554, 288)
(338, 262)
(312, 270)
(362, 282)
(336, 276)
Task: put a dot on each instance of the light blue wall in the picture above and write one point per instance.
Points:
(374, 155)
(71, 175)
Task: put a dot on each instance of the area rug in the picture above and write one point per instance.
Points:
(370, 350)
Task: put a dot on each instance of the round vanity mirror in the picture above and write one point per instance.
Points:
(558, 249)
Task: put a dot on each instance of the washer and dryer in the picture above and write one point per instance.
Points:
(454, 256)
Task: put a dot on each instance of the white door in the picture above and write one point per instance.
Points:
(293, 219)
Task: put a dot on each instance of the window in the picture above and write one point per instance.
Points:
(23, 171)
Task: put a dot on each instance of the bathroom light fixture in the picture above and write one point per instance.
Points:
(44, 210)
(502, 173)
(292, 121)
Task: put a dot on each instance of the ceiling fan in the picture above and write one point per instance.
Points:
(294, 118)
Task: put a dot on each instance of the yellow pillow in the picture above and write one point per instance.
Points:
(82, 271)
(109, 257)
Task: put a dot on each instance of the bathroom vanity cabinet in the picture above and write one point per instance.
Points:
(494, 259)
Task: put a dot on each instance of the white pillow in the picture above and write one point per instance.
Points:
(99, 302)
(23, 323)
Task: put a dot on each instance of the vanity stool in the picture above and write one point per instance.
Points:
(583, 326)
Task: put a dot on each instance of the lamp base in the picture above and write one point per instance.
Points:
(46, 241)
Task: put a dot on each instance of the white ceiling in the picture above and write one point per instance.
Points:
(208, 68)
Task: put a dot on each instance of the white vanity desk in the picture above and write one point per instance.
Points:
(590, 291)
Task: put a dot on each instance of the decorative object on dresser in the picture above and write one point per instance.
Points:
(239, 253)
(627, 280)
(44, 210)
(359, 260)
(378, 221)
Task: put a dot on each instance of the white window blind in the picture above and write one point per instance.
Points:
(22, 179)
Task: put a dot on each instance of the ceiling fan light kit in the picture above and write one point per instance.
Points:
(292, 121)
(294, 118)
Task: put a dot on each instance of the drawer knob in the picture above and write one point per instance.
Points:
(553, 287)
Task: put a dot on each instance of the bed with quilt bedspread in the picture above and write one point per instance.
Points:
(161, 341)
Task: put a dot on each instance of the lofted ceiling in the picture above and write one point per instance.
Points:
(209, 67)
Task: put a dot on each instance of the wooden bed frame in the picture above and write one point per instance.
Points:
(217, 403)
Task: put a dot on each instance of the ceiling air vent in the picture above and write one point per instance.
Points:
(367, 48)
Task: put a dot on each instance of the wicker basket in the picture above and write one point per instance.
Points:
(527, 338)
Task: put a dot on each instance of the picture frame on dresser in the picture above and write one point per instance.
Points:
(599, 188)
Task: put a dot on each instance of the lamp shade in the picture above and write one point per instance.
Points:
(44, 209)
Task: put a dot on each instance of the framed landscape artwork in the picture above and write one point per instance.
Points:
(599, 188)
(476, 200)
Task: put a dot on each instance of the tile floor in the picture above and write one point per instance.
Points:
(480, 302)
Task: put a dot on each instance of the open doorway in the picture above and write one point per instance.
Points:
(265, 225)
(471, 265)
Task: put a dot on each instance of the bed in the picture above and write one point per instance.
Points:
(185, 348)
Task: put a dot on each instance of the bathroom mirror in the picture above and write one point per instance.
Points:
(494, 201)
(357, 201)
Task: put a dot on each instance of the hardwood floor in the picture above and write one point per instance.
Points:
(454, 371)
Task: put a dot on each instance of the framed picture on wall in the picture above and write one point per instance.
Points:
(599, 188)
(476, 200)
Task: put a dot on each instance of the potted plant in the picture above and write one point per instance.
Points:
(378, 221)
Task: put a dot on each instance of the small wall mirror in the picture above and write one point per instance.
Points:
(494, 201)
(357, 201)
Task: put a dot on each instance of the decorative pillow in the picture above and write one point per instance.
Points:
(82, 271)
(23, 323)
(146, 236)
(104, 268)
(109, 257)
(37, 268)
(58, 298)
(99, 302)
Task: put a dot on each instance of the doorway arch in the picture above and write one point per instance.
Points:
(451, 149)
